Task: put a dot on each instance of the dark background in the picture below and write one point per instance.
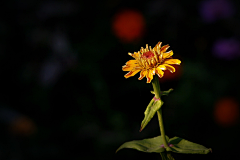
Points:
(63, 95)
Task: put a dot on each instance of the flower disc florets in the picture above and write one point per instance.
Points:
(150, 62)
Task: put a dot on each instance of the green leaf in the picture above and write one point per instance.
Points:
(146, 145)
(151, 109)
(164, 93)
(184, 146)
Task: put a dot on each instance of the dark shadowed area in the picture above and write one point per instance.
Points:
(63, 95)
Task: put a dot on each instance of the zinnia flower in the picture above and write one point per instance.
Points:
(150, 62)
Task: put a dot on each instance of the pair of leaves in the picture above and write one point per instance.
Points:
(178, 145)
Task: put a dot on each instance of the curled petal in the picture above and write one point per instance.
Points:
(142, 74)
(164, 48)
(157, 48)
(142, 50)
(132, 62)
(136, 55)
(129, 67)
(172, 61)
(162, 67)
(159, 72)
(131, 73)
(170, 68)
(153, 71)
(149, 75)
(159, 44)
(167, 54)
(130, 54)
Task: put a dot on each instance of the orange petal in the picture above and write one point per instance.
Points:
(153, 71)
(167, 54)
(170, 68)
(130, 65)
(158, 44)
(159, 72)
(136, 55)
(164, 48)
(142, 74)
(172, 61)
(149, 75)
(132, 62)
(128, 68)
(131, 73)
(162, 67)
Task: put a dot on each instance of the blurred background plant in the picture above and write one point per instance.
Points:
(63, 94)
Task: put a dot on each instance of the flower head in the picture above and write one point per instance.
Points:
(150, 61)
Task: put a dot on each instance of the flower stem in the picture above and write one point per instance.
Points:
(157, 92)
(160, 120)
(156, 87)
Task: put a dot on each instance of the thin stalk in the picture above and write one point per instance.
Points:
(160, 120)
(157, 92)
(156, 87)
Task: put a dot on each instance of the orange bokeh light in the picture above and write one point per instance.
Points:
(22, 126)
(226, 112)
(128, 25)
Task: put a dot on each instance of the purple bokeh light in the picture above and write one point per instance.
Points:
(226, 48)
(212, 10)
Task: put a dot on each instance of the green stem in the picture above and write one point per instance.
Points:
(157, 91)
(156, 87)
(160, 120)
